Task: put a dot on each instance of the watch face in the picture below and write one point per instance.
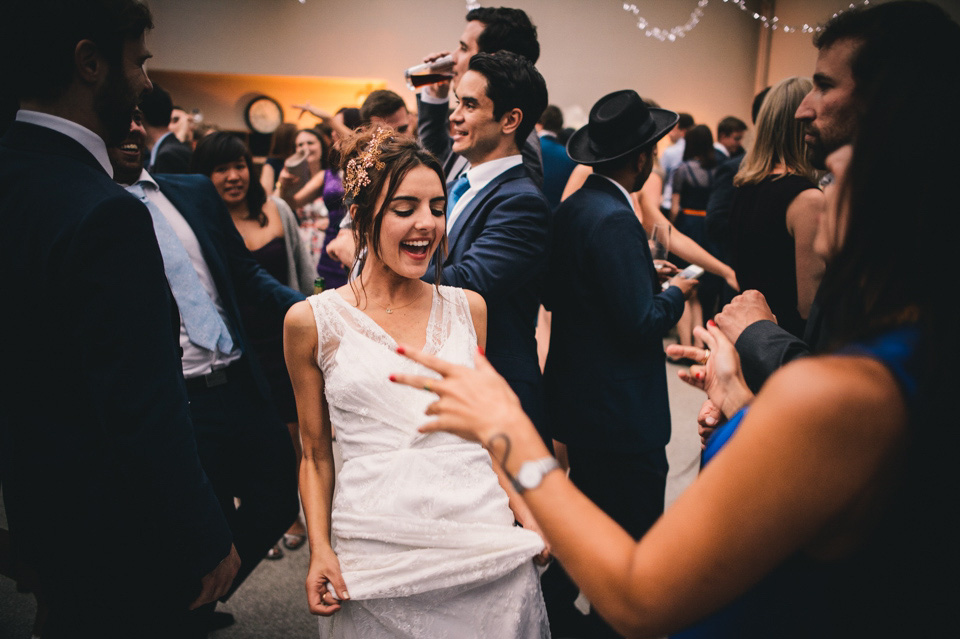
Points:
(264, 114)
(528, 475)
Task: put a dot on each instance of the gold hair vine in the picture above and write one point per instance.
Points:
(357, 177)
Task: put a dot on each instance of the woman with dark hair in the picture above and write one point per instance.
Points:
(282, 145)
(318, 203)
(688, 210)
(420, 530)
(270, 231)
(827, 506)
(775, 210)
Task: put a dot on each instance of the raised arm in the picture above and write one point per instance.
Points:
(300, 344)
(681, 244)
(707, 549)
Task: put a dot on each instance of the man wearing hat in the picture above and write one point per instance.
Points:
(605, 378)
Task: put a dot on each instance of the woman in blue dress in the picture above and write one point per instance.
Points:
(829, 507)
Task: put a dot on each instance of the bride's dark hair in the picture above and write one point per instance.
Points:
(375, 160)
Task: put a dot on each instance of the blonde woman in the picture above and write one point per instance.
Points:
(774, 214)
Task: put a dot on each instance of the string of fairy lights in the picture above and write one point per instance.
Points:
(675, 33)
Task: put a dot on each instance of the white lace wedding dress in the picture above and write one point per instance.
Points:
(421, 526)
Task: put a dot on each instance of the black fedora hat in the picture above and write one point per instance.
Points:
(619, 123)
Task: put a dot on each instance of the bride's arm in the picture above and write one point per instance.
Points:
(316, 469)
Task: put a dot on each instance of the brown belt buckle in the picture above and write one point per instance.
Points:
(216, 378)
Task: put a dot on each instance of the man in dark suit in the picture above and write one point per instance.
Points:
(104, 491)
(557, 165)
(244, 447)
(497, 219)
(605, 378)
(488, 30)
(167, 153)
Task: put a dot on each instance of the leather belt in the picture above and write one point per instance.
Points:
(219, 377)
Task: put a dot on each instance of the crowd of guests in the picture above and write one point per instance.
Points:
(386, 275)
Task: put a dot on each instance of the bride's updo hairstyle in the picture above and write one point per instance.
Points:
(375, 160)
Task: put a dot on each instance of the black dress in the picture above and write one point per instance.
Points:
(763, 250)
(266, 333)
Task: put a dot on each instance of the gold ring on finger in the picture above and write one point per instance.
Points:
(426, 386)
(706, 356)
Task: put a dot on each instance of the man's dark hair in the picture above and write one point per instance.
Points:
(552, 119)
(685, 122)
(157, 105)
(730, 125)
(351, 117)
(506, 29)
(757, 103)
(38, 39)
(381, 103)
(880, 28)
(611, 167)
(513, 83)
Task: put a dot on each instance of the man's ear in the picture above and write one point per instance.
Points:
(88, 61)
(510, 120)
(642, 159)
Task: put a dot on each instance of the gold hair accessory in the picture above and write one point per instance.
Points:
(357, 177)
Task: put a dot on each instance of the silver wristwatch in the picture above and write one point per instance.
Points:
(531, 473)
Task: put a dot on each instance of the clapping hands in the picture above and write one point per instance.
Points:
(718, 374)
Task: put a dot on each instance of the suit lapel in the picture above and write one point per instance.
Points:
(456, 231)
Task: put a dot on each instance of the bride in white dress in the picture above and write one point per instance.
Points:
(419, 530)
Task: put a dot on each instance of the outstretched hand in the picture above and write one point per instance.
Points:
(719, 374)
(474, 403)
(306, 107)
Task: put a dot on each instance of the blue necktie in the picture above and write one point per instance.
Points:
(205, 327)
(458, 189)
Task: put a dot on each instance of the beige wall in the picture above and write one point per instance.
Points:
(589, 47)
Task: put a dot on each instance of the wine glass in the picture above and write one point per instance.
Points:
(660, 241)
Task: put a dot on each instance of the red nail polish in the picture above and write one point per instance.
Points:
(393, 378)
(401, 350)
(480, 350)
(711, 323)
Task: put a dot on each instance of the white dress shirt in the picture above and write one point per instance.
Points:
(196, 360)
(480, 176)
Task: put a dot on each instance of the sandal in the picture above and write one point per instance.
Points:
(275, 553)
(292, 541)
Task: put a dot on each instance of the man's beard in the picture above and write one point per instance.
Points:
(114, 105)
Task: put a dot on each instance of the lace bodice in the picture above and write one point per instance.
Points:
(357, 357)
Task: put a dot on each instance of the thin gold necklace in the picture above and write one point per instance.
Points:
(391, 310)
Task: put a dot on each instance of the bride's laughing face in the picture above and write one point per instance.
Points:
(414, 223)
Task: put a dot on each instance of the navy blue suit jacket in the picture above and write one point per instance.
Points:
(96, 442)
(498, 248)
(235, 271)
(557, 167)
(605, 379)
